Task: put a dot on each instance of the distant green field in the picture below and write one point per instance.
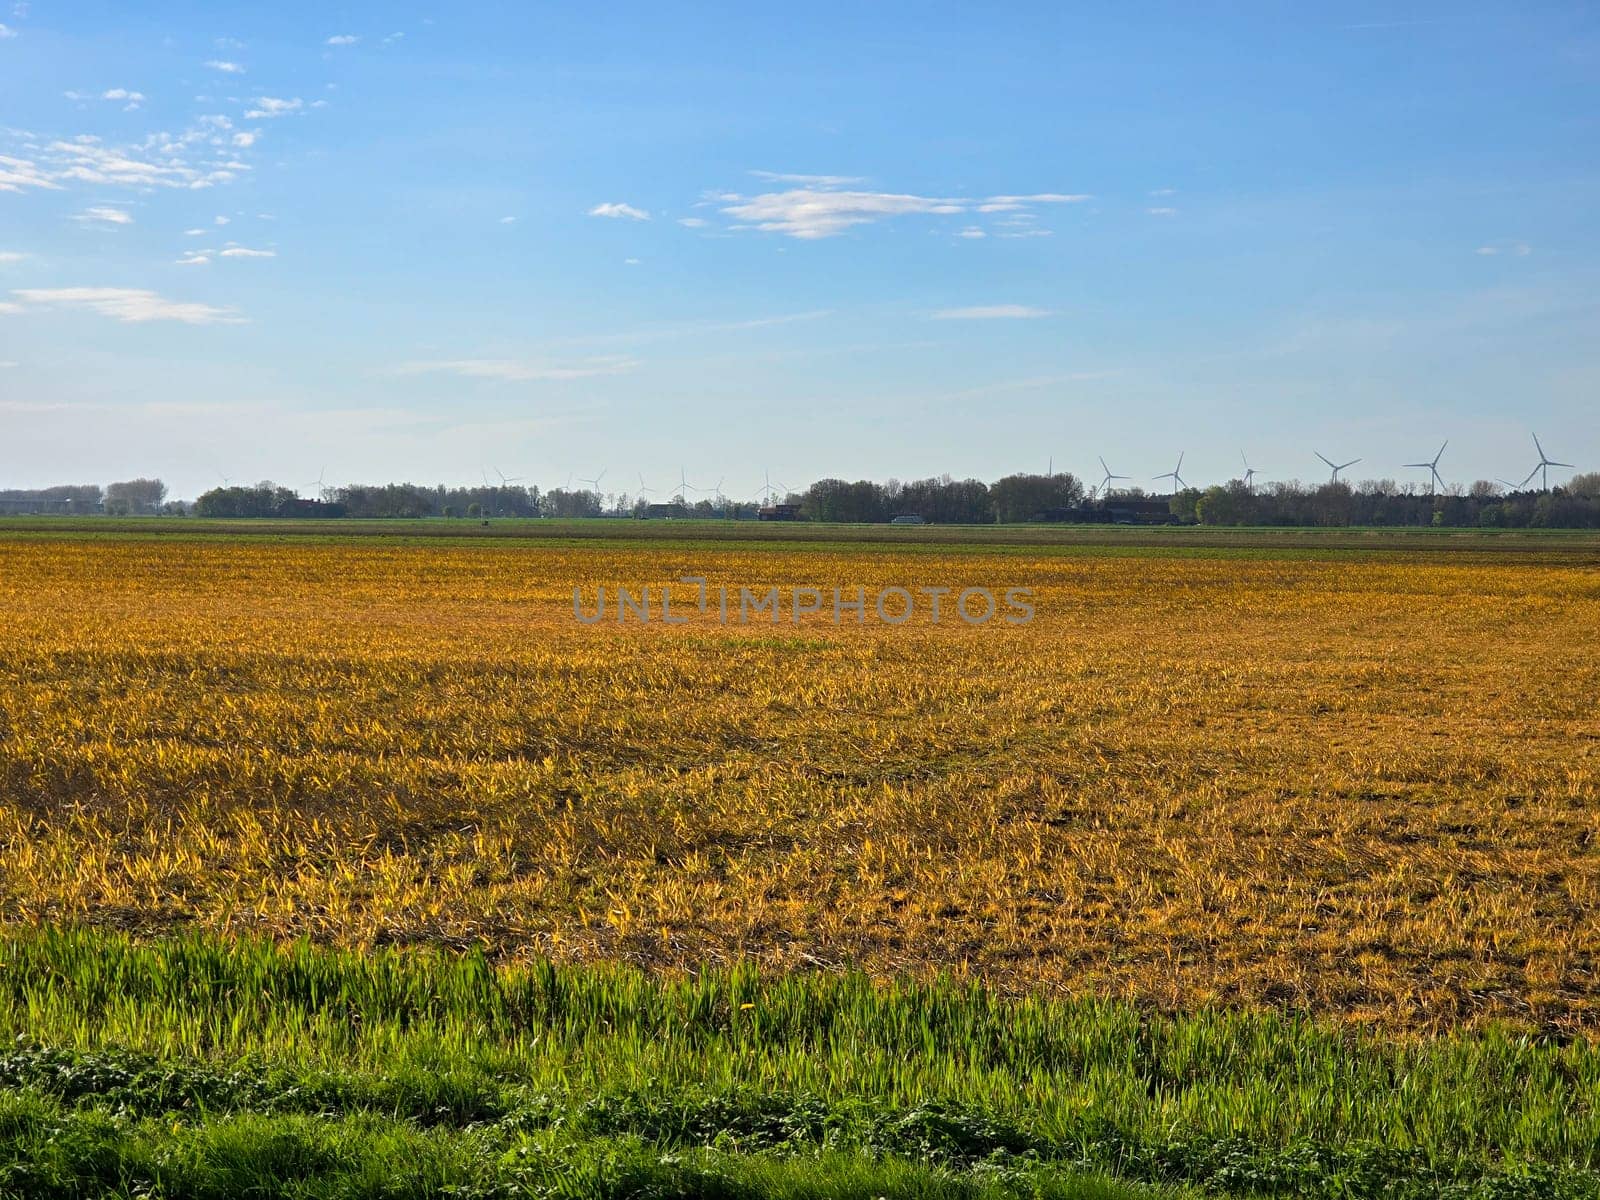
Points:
(1583, 545)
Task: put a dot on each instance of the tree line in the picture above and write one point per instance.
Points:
(129, 498)
(944, 500)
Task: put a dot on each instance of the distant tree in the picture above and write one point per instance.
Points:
(135, 497)
(1586, 485)
(1030, 497)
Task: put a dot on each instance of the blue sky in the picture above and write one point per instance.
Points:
(371, 242)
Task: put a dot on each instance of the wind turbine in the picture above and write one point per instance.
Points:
(644, 489)
(684, 488)
(595, 482)
(318, 484)
(1105, 484)
(1337, 467)
(1249, 473)
(1545, 463)
(1177, 480)
(1434, 482)
(1517, 487)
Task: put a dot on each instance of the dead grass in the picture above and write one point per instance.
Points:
(1369, 788)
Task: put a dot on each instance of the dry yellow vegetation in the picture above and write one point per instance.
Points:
(1366, 785)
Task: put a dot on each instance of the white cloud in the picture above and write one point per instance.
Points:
(1015, 203)
(515, 371)
(127, 304)
(7, 308)
(194, 258)
(273, 106)
(18, 173)
(221, 220)
(619, 210)
(821, 181)
(393, 38)
(508, 220)
(245, 139)
(104, 216)
(245, 252)
(342, 39)
(1162, 212)
(8, 363)
(823, 208)
(7, 32)
(991, 312)
(226, 67)
(630, 262)
(195, 232)
(85, 160)
(824, 212)
(1519, 249)
(11, 256)
(811, 213)
(122, 94)
(228, 43)
(693, 222)
(972, 231)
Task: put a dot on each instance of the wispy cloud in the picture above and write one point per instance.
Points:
(821, 181)
(19, 173)
(1515, 249)
(820, 211)
(246, 252)
(226, 67)
(1006, 204)
(973, 232)
(343, 39)
(11, 256)
(809, 213)
(135, 305)
(104, 216)
(6, 32)
(159, 162)
(509, 370)
(619, 210)
(693, 222)
(1162, 212)
(273, 106)
(194, 258)
(991, 312)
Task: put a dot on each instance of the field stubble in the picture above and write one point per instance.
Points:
(1367, 787)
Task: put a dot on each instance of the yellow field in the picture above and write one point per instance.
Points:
(1368, 786)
